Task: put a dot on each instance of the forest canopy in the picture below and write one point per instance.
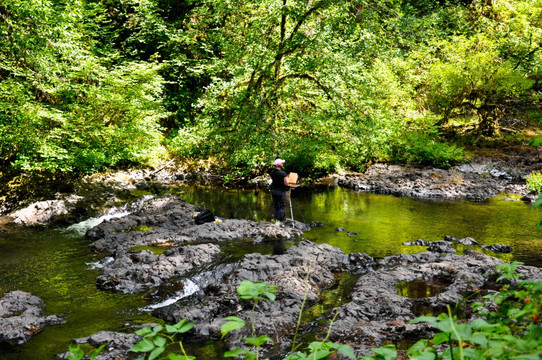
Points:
(329, 85)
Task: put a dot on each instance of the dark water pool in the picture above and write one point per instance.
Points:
(56, 264)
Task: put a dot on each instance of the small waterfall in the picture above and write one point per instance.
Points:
(100, 264)
(114, 212)
(189, 288)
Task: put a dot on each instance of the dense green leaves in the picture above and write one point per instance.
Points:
(327, 84)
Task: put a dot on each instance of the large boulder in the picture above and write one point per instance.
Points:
(134, 272)
(21, 317)
(301, 274)
(170, 220)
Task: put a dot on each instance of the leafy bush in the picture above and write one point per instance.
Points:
(424, 149)
(534, 182)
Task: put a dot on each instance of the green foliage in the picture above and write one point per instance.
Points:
(328, 85)
(64, 108)
(256, 291)
(76, 353)
(534, 182)
(511, 332)
(468, 76)
(155, 341)
(425, 149)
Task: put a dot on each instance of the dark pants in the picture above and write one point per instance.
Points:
(279, 204)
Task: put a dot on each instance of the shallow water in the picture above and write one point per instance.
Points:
(384, 222)
(56, 264)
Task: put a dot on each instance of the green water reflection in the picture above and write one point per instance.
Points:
(53, 264)
(383, 222)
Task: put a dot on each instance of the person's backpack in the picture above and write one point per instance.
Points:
(204, 217)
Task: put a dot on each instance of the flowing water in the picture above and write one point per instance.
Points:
(57, 265)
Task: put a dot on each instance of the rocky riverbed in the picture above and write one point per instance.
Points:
(372, 313)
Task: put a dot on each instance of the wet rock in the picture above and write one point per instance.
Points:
(21, 317)
(117, 346)
(475, 181)
(498, 248)
(376, 311)
(468, 241)
(138, 271)
(42, 213)
(169, 220)
(434, 246)
(304, 270)
(378, 314)
(419, 242)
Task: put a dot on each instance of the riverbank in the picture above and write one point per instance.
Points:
(488, 174)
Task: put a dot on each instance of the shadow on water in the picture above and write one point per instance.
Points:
(54, 264)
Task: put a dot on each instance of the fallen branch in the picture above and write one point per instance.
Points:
(162, 168)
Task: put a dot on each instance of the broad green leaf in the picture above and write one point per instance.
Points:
(429, 354)
(417, 348)
(235, 352)
(347, 351)
(389, 352)
(156, 352)
(479, 339)
(297, 356)
(144, 345)
(157, 329)
(159, 341)
(144, 331)
(258, 341)
(463, 330)
(441, 338)
(233, 323)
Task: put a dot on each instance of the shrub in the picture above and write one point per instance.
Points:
(423, 149)
(534, 182)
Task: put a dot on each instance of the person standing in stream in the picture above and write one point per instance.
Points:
(279, 186)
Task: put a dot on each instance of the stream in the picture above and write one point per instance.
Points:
(57, 265)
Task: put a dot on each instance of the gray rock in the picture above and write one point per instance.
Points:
(139, 271)
(304, 270)
(117, 346)
(21, 317)
(170, 221)
(498, 248)
(475, 182)
(379, 314)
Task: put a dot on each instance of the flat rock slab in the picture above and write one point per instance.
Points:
(139, 271)
(21, 317)
(475, 182)
(170, 220)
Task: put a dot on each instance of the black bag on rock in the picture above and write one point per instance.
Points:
(204, 217)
